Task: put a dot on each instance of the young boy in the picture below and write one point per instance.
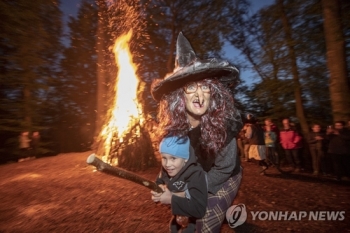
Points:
(183, 181)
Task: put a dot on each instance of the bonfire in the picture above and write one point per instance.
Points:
(124, 140)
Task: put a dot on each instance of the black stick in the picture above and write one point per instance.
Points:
(119, 172)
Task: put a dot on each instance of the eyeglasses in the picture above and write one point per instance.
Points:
(192, 88)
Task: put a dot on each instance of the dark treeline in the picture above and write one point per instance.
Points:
(60, 88)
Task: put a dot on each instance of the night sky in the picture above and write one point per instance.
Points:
(70, 8)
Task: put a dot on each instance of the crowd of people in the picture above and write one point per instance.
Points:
(328, 149)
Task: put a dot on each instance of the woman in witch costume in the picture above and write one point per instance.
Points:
(195, 102)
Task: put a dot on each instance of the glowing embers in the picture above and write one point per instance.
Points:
(126, 112)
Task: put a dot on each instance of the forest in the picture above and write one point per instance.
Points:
(60, 84)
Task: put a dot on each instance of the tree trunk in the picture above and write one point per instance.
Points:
(27, 111)
(27, 107)
(170, 61)
(101, 74)
(336, 60)
(293, 62)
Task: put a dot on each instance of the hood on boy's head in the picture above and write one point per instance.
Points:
(175, 146)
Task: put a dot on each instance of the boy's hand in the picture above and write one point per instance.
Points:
(162, 186)
(165, 198)
(155, 195)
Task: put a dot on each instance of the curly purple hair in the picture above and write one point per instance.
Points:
(220, 115)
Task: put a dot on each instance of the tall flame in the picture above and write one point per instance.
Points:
(126, 109)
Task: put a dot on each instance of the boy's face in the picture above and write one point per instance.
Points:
(316, 128)
(172, 164)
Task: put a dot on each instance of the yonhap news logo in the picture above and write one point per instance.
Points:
(298, 215)
(236, 215)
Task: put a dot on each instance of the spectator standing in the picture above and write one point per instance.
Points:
(240, 145)
(244, 148)
(257, 149)
(24, 144)
(270, 143)
(272, 127)
(290, 141)
(34, 143)
(339, 149)
(269, 124)
(316, 144)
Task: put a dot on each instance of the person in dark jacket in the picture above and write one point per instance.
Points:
(24, 145)
(243, 144)
(271, 137)
(339, 149)
(183, 182)
(257, 148)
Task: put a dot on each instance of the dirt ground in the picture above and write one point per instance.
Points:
(64, 194)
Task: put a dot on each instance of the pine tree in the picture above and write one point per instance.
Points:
(262, 39)
(29, 49)
(339, 85)
(76, 88)
(202, 22)
(102, 44)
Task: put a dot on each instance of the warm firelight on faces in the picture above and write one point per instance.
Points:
(172, 164)
(316, 128)
(126, 110)
(197, 99)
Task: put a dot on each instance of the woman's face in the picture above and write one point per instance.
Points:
(197, 98)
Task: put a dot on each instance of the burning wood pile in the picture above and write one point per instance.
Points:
(134, 151)
(125, 139)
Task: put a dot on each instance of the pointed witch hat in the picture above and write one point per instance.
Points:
(188, 68)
